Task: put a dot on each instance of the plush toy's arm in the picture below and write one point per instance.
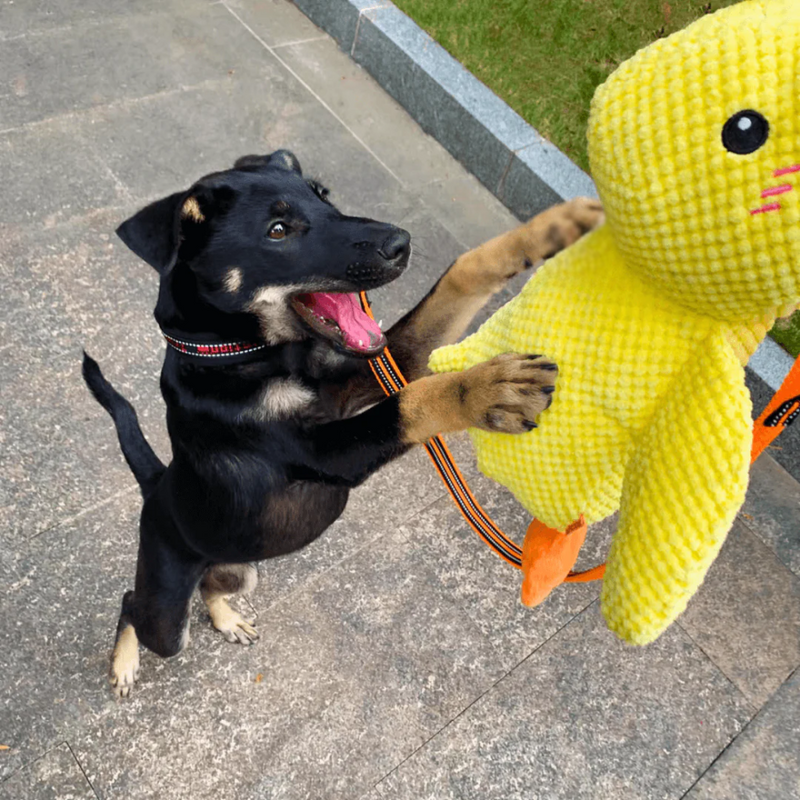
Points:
(686, 480)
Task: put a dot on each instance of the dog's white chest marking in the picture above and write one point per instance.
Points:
(281, 398)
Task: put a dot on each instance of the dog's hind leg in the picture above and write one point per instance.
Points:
(156, 612)
(218, 584)
(124, 671)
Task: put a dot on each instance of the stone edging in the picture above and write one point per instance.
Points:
(509, 157)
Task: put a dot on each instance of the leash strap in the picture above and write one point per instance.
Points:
(782, 411)
(391, 379)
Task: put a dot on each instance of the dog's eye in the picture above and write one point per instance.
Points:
(277, 230)
(745, 132)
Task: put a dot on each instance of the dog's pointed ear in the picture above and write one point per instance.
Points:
(178, 224)
(280, 158)
(154, 232)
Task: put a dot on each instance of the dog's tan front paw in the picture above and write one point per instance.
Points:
(586, 213)
(124, 670)
(508, 393)
(560, 226)
(232, 625)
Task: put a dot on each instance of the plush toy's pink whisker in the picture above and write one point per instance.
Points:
(773, 190)
(768, 207)
(786, 170)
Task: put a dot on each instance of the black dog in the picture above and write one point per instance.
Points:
(272, 409)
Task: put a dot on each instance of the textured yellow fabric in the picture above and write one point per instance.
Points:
(651, 317)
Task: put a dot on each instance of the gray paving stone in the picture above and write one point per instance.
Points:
(462, 206)
(584, 717)
(276, 22)
(77, 68)
(437, 91)
(378, 120)
(772, 510)
(165, 143)
(384, 502)
(44, 186)
(54, 776)
(512, 131)
(60, 616)
(764, 761)
(746, 616)
(20, 18)
(69, 288)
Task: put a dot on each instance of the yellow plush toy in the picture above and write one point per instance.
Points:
(694, 145)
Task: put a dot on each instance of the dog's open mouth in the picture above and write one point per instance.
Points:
(340, 318)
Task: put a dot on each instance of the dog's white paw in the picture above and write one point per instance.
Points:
(124, 670)
(231, 624)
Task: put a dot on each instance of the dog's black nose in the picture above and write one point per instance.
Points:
(396, 245)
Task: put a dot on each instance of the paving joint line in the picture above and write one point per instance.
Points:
(754, 531)
(502, 182)
(90, 24)
(298, 41)
(724, 674)
(314, 94)
(82, 513)
(484, 693)
(83, 771)
(735, 738)
(33, 761)
(120, 103)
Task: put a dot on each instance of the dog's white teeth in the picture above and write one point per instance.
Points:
(380, 323)
(360, 342)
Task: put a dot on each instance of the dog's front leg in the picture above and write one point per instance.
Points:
(505, 394)
(443, 316)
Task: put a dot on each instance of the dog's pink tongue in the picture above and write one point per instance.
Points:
(360, 332)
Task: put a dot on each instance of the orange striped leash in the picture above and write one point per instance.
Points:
(541, 541)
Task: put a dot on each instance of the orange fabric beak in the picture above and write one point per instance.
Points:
(548, 556)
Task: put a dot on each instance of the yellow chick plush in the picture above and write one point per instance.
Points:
(694, 145)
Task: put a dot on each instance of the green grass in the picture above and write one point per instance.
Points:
(545, 58)
(787, 334)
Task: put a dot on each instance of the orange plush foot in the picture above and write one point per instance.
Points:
(548, 555)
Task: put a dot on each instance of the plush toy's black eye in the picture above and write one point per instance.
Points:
(745, 132)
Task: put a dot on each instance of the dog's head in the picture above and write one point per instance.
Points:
(261, 239)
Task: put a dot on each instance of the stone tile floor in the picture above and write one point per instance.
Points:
(395, 660)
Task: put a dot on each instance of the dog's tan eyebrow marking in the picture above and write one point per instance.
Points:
(191, 210)
(233, 280)
(280, 207)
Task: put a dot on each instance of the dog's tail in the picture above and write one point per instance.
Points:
(144, 463)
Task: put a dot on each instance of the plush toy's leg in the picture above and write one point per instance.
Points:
(548, 555)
